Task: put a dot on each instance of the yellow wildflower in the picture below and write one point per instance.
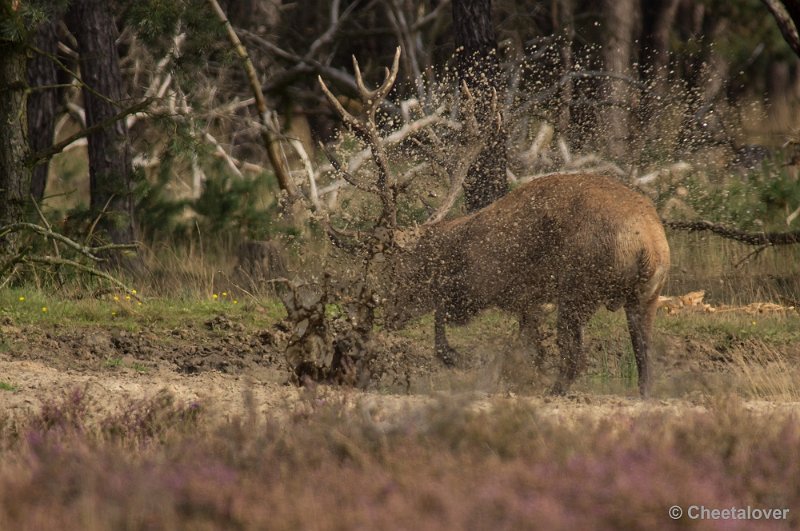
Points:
(21, 298)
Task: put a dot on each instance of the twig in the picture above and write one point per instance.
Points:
(97, 220)
(235, 164)
(750, 255)
(336, 22)
(45, 154)
(346, 175)
(74, 75)
(435, 12)
(220, 152)
(15, 227)
(89, 252)
(313, 195)
(51, 260)
(46, 223)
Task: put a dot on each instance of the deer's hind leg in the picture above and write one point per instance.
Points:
(640, 316)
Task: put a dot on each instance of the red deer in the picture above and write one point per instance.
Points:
(577, 240)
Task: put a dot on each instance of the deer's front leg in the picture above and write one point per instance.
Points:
(530, 334)
(444, 351)
(571, 321)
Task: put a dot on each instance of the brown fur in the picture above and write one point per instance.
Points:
(575, 240)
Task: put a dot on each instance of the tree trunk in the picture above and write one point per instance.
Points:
(479, 67)
(42, 103)
(619, 19)
(15, 174)
(658, 20)
(706, 91)
(110, 168)
(564, 18)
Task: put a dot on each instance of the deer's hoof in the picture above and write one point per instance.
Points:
(448, 356)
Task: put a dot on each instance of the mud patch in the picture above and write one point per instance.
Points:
(189, 349)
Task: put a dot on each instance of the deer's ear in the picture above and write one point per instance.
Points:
(407, 238)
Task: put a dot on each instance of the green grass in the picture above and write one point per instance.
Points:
(5, 386)
(730, 273)
(775, 329)
(612, 366)
(113, 363)
(139, 367)
(32, 306)
(119, 363)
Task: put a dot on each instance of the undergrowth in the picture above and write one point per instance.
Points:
(330, 464)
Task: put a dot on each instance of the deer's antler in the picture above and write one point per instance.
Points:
(367, 130)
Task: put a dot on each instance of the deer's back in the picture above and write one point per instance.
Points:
(560, 235)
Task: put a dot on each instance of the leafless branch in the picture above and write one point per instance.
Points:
(787, 15)
(74, 76)
(269, 129)
(470, 142)
(750, 238)
(91, 252)
(220, 152)
(430, 17)
(346, 175)
(45, 154)
(53, 260)
(313, 194)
